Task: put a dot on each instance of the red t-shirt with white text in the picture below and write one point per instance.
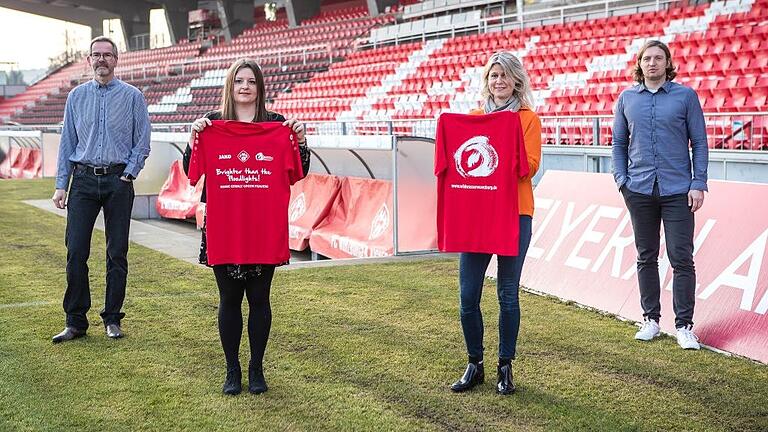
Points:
(478, 163)
(248, 168)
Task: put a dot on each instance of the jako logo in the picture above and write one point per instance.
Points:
(380, 223)
(261, 157)
(225, 156)
(243, 156)
(297, 208)
(476, 158)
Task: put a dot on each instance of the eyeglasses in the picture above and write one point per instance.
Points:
(105, 56)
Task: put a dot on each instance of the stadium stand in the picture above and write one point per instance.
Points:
(319, 72)
(55, 83)
(182, 82)
(577, 68)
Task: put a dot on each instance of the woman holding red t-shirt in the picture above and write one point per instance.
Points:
(243, 99)
(506, 86)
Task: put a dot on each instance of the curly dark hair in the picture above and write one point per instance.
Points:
(637, 72)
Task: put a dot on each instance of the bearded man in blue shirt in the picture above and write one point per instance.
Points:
(655, 124)
(104, 143)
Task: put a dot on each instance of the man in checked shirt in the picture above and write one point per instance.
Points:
(104, 142)
(655, 124)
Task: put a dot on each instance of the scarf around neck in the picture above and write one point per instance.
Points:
(513, 105)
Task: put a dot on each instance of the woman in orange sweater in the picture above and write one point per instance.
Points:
(506, 86)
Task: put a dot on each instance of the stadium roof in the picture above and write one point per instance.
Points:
(134, 14)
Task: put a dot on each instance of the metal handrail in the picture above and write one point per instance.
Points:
(513, 19)
(222, 62)
(185, 126)
(552, 13)
(742, 130)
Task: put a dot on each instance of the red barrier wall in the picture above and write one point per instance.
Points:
(17, 168)
(177, 199)
(311, 201)
(359, 224)
(583, 250)
(417, 204)
(33, 168)
(10, 160)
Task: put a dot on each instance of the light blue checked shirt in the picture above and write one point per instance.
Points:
(651, 132)
(104, 125)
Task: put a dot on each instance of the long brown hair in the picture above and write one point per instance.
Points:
(637, 72)
(228, 101)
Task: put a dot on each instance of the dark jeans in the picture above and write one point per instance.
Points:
(256, 289)
(647, 214)
(88, 195)
(472, 267)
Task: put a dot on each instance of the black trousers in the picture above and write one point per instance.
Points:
(256, 289)
(88, 195)
(647, 214)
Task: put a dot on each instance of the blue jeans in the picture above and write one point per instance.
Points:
(472, 267)
(88, 195)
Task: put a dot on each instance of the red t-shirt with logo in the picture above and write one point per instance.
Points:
(249, 168)
(478, 163)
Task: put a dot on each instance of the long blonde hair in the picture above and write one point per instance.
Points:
(228, 100)
(513, 68)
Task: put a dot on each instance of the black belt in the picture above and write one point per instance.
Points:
(101, 170)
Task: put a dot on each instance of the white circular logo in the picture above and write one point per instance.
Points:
(380, 222)
(297, 208)
(476, 158)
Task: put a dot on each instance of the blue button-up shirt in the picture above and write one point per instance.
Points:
(651, 132)
(104, 125)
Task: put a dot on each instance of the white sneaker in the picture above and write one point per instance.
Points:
(687, 339)
(648, 331)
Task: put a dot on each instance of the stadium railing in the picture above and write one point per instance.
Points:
(570, 13)
(736, 130)
(524, 20)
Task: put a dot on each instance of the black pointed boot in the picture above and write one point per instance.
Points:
(504, 383)
(473, 375)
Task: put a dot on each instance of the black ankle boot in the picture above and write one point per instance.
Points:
(232, 384)
(504, 383)
(474, 375)
(256, 382)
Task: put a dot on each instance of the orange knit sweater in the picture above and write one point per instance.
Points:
(532, 138)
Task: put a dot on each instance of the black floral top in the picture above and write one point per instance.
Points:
(240, 271)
